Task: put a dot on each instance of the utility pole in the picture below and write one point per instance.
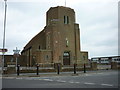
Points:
(3, 50)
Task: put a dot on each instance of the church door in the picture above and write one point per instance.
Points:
(66, 58)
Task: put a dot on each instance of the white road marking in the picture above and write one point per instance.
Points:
(61, 81)
(88, 75)
(47, 79)
(76, 82)
(107, 84)
(71, 82)
(19, 78)
(28, 78)
(89, 83)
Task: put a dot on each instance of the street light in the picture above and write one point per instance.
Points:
(4, 35)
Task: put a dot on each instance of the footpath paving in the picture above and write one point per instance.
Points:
(50, 74)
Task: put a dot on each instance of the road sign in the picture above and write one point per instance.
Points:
(16, 51)
(3, 50)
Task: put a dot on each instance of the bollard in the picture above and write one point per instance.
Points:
(18, 70)
(84, 68)
(58, 69)
(37, 69)
(74, 68)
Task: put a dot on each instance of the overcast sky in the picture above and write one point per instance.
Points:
(98, 20)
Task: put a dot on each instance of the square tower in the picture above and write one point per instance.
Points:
(65, 35)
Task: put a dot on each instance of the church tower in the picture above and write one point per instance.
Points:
(64, 35)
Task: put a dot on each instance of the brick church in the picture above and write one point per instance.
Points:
(58, 42)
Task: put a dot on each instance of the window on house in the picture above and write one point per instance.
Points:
(66, 20)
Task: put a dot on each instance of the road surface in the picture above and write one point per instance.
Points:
(103, 79)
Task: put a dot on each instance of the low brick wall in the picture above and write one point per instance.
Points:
(40, 70)
(93, 65)
(46, 64)
(52, 69)
(62, 69)
(103, 67)
(115, 65)
(10, 70)
(77, 69)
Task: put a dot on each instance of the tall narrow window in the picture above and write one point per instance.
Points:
(39, 47)
(66, 20)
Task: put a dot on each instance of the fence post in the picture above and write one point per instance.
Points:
(37, 69)
(84, 68)
(74, 68)
(18, 70)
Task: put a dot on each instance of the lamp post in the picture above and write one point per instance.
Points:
(4, 36)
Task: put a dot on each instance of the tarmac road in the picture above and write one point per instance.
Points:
(103, 79)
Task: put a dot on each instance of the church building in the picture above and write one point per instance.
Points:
(58, 42)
